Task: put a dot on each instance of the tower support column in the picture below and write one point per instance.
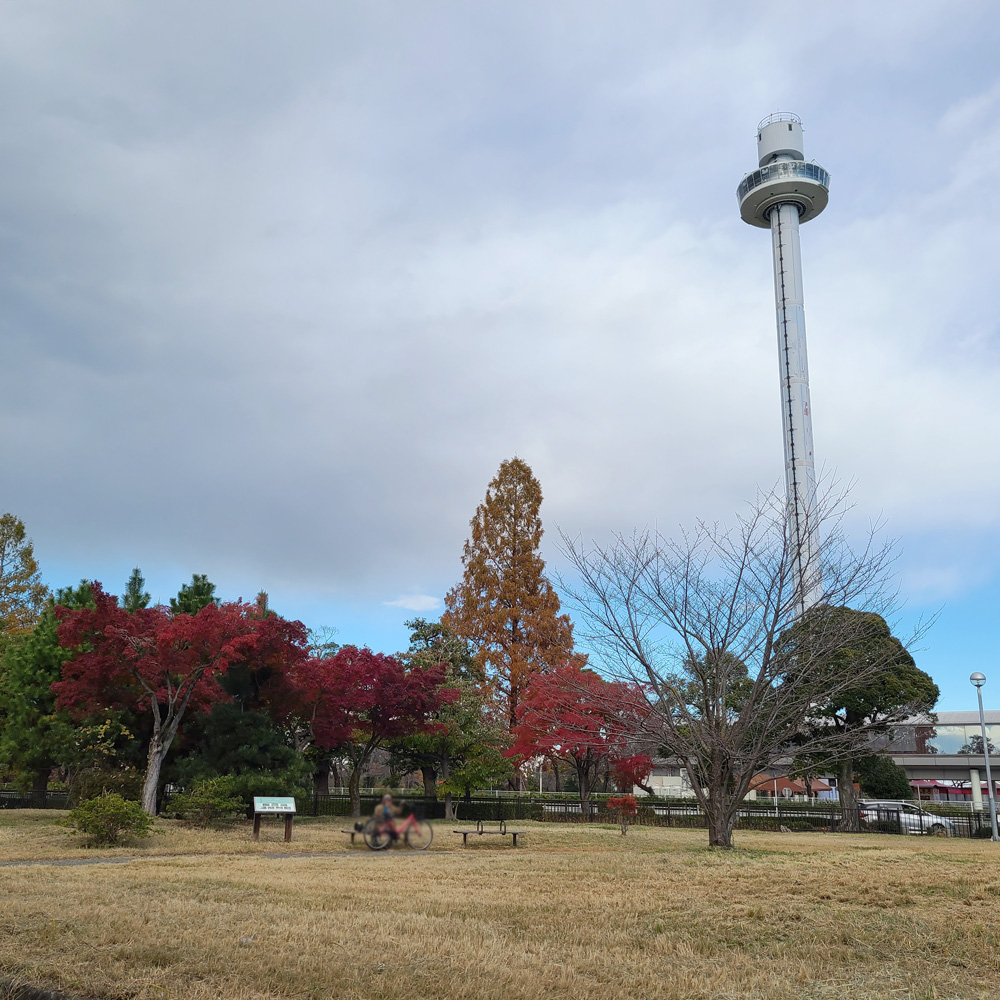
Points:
(781, 193)
(796, 417)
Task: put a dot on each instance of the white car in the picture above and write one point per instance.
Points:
(912, 819)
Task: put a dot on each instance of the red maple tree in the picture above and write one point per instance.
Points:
(356, 701)
(153, 661)
(632, 771)
(574, 715)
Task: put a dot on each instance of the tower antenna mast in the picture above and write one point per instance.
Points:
(784, 191)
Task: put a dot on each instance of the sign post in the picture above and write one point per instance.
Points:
(273, 805)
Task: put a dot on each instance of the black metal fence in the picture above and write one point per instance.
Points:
(12, 799)
(819, 818)
(488, 808)
(752, 816)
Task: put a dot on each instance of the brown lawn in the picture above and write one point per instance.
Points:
(577, 912)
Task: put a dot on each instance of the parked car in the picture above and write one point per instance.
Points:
(911, 818)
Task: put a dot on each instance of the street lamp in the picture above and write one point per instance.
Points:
(978, 680)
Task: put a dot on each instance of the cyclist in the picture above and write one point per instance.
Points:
(381, 830)
(385, 812)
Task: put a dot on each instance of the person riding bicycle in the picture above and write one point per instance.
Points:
(385, 812)
(381, 830)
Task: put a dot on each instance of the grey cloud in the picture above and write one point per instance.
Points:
(283, 288)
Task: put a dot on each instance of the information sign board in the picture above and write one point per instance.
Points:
(274, 804)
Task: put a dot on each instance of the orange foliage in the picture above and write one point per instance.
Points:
(505, 606)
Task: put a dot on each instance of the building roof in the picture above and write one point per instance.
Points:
(954, 719)
(796, 785)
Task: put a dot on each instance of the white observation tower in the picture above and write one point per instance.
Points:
(781, 193)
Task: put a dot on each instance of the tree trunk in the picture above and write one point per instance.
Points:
(354, 788)
(720, 824)
(163, 735)
(40, 785)
(606, 779)
(321, 779)
(583, 779)
(430, 782)
(555, 774)
(154, 763)
(449, 809)
(850, 820)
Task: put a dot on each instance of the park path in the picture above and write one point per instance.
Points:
(69, 862)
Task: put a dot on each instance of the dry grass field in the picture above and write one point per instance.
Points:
(574, 913)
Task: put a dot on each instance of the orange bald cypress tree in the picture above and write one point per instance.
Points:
(505, 606)
(22, 593)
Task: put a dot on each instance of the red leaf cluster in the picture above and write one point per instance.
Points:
(126, 659)
(631, 771)
(627, 805)
(357, 696)
(571, 713)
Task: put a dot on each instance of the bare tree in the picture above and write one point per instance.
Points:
(702, 623)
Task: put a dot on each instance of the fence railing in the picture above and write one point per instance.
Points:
(827, 817)
(12, 799)
(752, 816)
(486, 808)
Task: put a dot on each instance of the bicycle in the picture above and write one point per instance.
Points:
(417, 833)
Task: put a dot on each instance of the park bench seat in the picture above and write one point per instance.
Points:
(481, 831)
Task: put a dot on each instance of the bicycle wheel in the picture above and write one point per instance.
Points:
(375, 837)
(419, 835)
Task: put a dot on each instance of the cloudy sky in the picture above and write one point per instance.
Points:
(282, 285)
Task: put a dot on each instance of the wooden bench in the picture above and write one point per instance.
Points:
(353, 833)
(480, 831)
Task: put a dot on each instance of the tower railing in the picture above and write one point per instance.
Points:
(778, 116)
(782, 170)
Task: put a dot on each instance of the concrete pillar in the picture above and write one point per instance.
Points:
(977, 789)
(796, 416)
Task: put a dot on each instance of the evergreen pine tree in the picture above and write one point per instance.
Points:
(193, 596)
(35, 736)
(135, 597)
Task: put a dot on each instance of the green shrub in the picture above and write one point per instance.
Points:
(210, 801)
(91, 782)
(252, 783)
(288, 782)
(108, 818)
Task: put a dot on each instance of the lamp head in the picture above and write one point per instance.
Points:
(977, 679)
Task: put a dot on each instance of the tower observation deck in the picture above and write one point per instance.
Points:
(781, 193)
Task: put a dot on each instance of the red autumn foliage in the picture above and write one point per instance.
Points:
(574, 715)
(356, 701)
(631, 771)
(627, 805)
(153, 661)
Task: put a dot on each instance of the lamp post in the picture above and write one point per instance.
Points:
(978, 680)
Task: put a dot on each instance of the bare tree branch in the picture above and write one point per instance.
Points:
(700, 623)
